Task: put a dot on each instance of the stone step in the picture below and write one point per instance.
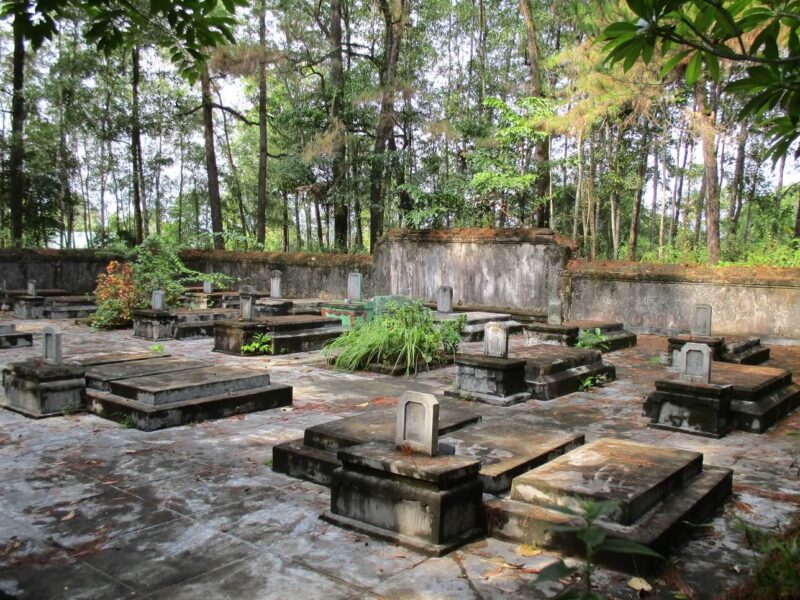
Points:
(619, 340)
(194, 330)
(548, 387)
(203, 316)
(295, 459)
(167, 388)
(69, 301)
(16, 340)
(72, 311)
(754, 355)
(148, 417)
(7, 328)
(758, 416)
(100, 377)
(304, 341)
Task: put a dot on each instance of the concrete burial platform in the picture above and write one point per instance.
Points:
(99, 377)
(431, 504)
(730, 349)
(69, 307)
(552, 371)
(175, 398)
(291, 330)
(662, 493)
(476, 322)
(759, 396)
(107, 358)
(36, 389)
(568, 332)
(508, 448)
(11, 338)
(313, 457)
(489, 379)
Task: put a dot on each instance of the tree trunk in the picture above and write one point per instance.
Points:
(215, 203)
(261, 202)
(340, 213)
(285, 219)
(136, 144)
(633, 238)
(394, 18)
(706, 119)
(541, 216)
(16, 163)
(738, 177)
(776, 228)
(236, 187)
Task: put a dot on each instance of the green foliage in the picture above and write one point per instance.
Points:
(260, 344)
(404, 335)
(594, 540)
(776, 574)
(699, 33)
(591, 381)
(156, 348)
(592, 338)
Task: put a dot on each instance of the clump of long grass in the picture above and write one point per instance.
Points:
(406, 335)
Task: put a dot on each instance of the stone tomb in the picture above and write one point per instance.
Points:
(99, 377)
(29, 305)
(288, 334)
(492, 378)
(476, 323)
(313, 457)
(567, 333)
(180, 396)
(691, 403)
(661, 494)
(44, 386)
(69, 307)
(405, 492)
(11, 338)
(553, 371)
(736, 349)
(759, 396)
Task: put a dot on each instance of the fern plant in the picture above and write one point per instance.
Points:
(260, 344)
(592, 339)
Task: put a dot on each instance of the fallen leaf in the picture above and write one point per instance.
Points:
(287, 409)
(528, 550)
(640, 585)
(69, 516)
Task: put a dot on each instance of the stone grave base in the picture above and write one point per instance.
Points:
(29, 307)
(477, 320)
(759, 397)
(11, 338)
(291, 330)
(662, 494)
(696, 408)
(488, 379)
(313, 457)
(743, 351)
(553, 371)
(38, 390)
(154, 325)
(99, 377)
(69, 307)
(567, 333)
(431, 504)
(168, 399)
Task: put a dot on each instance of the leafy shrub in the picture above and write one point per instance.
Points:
(153, 265)
(260, 344)
(592, 338)
(405, 335)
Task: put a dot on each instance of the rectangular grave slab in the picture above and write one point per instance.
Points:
(313, 457)
(36, 389)
(11, 338)
(168, 388)
(147, 417)
(638, 476)
(306, 340)
(154, 325)
(107, 358)
(553, 371)
(497, 381)
(508, 448)
(100, 377)
(695, 408)
(230, 336)
(568, 332)
(744, 351)
(29, 307)
(432, 504)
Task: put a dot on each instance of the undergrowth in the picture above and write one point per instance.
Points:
(405, 335)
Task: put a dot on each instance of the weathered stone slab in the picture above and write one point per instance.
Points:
(552, 371)
(429, 503)
(29, 307)
(106, 358)
(37, 389)
(694, 363)
(508, 448)
(16, 340)
(355, 287)
(637, 476)
(167, 388)
(100, 377)
(695, 408)
(701, 321)
(230, 336)
(497, 381)
(417, 427)
(444, 299)
(151, 324)
(567, 333)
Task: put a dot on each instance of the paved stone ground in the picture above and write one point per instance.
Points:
(93, 510)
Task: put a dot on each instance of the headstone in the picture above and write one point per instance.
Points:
(159, 300)
(555, 312)
(31, 287)
(208, 287)
(246, 306)
(275, 284)
(418, 423)
(355, 282)
(51, 346)
(495, 340)
(694, 363)
(701, 325)
(444, 299)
